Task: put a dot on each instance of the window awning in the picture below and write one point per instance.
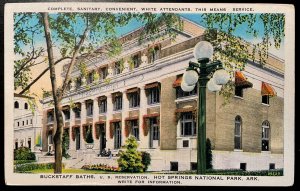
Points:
(152, 85)
(131, 118)
(132, 90)
(100, 122)
(66, 107)
(267, 89)
(177, 82)
(115, 120)
(241, 81)
(116, 94)
(185, 110)
(102, 98)
(151, 115)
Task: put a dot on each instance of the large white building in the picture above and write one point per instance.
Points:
(139, 93)
(27, 124)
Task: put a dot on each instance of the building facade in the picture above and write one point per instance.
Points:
(27, 124)
(138, 93)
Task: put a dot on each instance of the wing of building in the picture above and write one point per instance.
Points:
(138, 93)
(27, 124)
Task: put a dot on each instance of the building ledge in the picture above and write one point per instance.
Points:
(264, 104)
(153, 105)
(238, 150)
(186, 99)
(238, 97)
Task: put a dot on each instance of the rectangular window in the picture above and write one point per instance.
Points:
(118, 103)
(153, 95)
(180, 93)
(265, 99)
(243, 166)
(188, 124)
(238, 91)
(272, 166)
(185, 143)
(77, 113)
(117, 68)
(103, 73)
(193, 166)
(27, 122)
(173, 166)
(30, 121)
(90, 78)
(29, 143)
(66, 114)
(265, 138)
(18, 124)
(23, 123)
(89, 109)
(50, 138)
(135, 129)
(118, 135)
(134, 100)
(237, 137)
(50, 117)
(136, 61)
(78, 83)
(102, 106)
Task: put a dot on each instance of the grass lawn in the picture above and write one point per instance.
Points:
(69, 170)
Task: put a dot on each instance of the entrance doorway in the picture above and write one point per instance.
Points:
(102, 137)
(77, 138)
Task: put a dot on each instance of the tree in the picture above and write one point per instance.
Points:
(208, 155)
(130, 160)
(78, 36)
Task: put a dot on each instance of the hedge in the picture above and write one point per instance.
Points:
(33, 166)
(238, 172)
(23, 161)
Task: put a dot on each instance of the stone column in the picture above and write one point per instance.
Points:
(95, 119)
(109, 141)
(72, 122)
(144, 140)
(83, 121)
(125, 108)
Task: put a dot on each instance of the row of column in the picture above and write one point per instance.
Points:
(144, 141)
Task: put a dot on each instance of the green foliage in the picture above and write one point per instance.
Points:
(130, 160)
(104, 167)
(38, 140)
(89, 136)
(232, 50)
(65, 144)
(208, 155)
(23, 161)
(23, 153)
(83, 69)
(146, 160)
(32, 166)
(46, 93)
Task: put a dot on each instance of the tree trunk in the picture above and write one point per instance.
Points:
(57, 109)
(57, 139)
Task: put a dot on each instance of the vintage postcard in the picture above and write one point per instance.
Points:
(149, 94)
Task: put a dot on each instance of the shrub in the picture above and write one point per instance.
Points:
(101, 167)
(23, 153)
(32, 166)
(65, 145)
(23, 161)
(146, 160)
(239, 172)
(208, 155)
(131, 160)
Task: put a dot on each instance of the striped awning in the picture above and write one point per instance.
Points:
(177, 82)
(267, 89)
(152, 85)
(151, 115)
(241, 80)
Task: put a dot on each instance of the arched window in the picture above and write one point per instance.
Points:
(238, 132)
(265, 136)
(26, 106)
(16, 104)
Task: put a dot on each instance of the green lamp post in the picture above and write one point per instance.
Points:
(207, 74)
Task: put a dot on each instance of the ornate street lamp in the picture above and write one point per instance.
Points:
(204, 73)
